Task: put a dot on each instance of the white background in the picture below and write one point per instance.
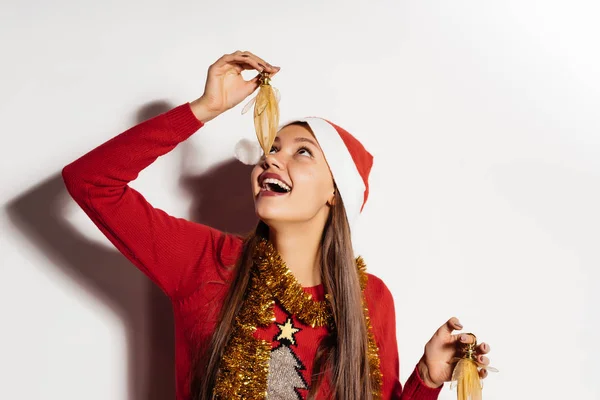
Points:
(483, 119)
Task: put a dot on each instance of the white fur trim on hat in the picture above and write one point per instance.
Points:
(248, 151)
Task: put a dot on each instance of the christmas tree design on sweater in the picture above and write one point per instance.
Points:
(285, 377)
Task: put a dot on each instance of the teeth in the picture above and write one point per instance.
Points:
(277, 182)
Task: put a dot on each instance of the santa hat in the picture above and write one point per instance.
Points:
(350, 163)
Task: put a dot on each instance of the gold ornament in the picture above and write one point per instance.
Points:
(465, 376)
(266, 112)
(244, 368)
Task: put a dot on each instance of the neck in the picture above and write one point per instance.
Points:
(299, 246)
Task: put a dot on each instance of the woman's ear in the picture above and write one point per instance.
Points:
(331, 200)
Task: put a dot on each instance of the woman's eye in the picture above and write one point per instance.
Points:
(305, 152)
(273, 150)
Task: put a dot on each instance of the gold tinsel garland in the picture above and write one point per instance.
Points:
(244, 368)
(373, 350)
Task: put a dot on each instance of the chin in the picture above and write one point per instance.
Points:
(274, 214)
(270, 215)
(281, 216)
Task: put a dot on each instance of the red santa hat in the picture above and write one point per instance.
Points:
(350, 163)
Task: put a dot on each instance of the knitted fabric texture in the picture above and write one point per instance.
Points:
(192, 262)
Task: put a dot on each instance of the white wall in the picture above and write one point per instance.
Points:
(483, 117)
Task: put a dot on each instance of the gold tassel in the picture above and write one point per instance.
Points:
(465, 376)
(266, 112)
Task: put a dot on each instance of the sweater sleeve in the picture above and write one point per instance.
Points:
(174, 253)
(416, 389)
(383, 316)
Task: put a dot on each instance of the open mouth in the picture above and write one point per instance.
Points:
(275, 185)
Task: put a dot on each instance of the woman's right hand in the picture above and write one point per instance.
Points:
(225, 87)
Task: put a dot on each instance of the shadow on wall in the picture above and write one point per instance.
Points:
(221, 198)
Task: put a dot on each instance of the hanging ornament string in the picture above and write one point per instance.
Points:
(244, 368)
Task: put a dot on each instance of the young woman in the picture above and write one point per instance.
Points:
(248, 324)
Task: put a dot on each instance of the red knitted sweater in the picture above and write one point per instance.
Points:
(188, 262)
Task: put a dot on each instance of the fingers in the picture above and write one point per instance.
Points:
(454, 324)
(239, 67)
(266, 66)
(254, 83)
(483, 348)
(463, 338)
(451, 325)
(246, 60)
(485, 362)
(445, 333)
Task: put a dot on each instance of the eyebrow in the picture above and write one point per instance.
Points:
(301, 140)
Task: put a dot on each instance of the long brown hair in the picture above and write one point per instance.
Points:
(342, 355)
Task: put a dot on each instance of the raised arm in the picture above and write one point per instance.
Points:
(176, 254)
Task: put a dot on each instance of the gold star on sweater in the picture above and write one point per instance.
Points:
(287, 331)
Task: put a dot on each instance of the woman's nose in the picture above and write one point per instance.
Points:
(272, 161)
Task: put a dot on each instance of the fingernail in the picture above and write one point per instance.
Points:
(463, 338)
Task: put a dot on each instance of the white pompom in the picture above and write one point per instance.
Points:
(248, 151)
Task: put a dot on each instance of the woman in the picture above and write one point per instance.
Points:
(248, 324)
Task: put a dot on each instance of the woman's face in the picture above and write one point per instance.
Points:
(293, 182)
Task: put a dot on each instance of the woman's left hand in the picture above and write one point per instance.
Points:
(436, 366)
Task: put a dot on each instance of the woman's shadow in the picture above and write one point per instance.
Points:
(144, 309)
